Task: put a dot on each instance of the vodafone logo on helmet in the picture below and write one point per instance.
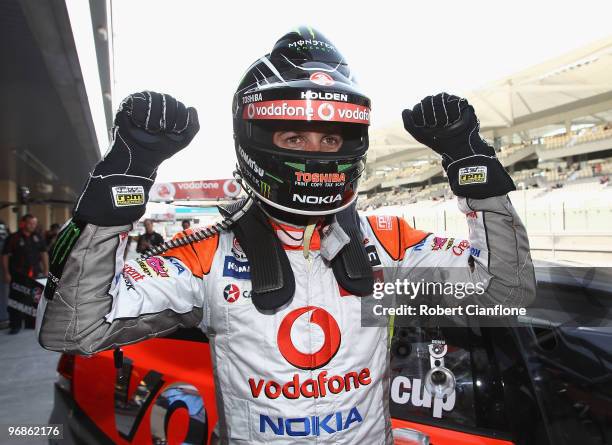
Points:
(308, 110)
(251, 110)
(298, 355)
(322, 79)
(326, 111)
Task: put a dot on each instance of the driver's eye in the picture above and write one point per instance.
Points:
(331, 140)
(295, 140)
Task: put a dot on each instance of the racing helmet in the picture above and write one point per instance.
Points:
(303, 82)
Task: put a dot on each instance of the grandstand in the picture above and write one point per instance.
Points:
(551, 126)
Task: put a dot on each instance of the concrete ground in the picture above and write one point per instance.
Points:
(27, 373)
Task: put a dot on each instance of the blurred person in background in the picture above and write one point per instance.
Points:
(4, 322)
(186, 224)
(24, 253)
(148, 239)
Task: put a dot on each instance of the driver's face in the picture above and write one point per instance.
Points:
(327, 141)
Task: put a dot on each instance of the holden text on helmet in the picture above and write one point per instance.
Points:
(307, 199)
(251, 163)
(324, 96)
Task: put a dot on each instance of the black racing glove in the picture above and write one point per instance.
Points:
(448, 125)
(149, 128)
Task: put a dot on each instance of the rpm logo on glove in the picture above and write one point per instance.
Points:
(472, 175)
(128, 195)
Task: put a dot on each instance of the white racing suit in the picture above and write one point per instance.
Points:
(305, 373)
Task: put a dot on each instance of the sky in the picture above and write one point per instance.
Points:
(401, 51)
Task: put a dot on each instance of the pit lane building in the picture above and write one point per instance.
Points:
(56, 110)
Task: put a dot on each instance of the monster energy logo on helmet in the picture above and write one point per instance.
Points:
(311, 43)
(309, 40)
(264, 188)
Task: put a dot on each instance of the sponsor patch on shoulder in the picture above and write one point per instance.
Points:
(180, 269)
(384, 222)
(473, 175)
(128, 195)
(236, 269)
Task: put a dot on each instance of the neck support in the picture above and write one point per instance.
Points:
(271, 274)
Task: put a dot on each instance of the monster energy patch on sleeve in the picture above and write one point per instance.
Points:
(59, 254)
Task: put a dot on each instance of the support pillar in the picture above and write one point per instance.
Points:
(8, 193)
(60, 214)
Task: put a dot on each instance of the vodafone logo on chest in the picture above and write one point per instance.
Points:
(325, 351)
(308, 338)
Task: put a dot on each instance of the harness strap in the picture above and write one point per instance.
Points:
(271, 275)
(352, 267)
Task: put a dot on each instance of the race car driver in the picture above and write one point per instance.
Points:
(277, 286)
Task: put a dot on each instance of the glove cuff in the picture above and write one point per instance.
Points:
(479, 177)
(113, 200)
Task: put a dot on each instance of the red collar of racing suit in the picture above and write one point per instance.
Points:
(292, 236)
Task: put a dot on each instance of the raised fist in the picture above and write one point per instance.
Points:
(439, 111)
(448, 125)
(149, 128)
